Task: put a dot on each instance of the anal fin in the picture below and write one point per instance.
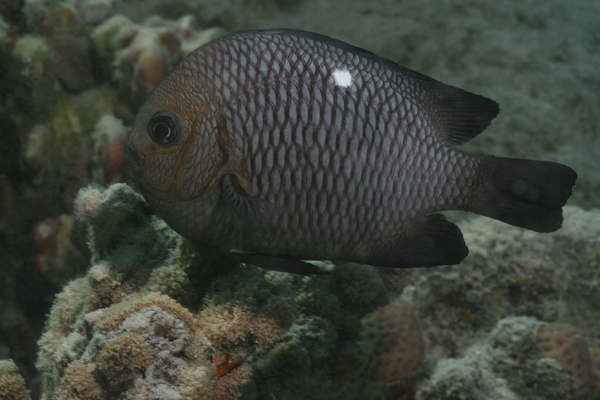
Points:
(435, 241)
(275, 263)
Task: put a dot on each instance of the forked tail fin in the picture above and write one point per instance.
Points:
(524, 193)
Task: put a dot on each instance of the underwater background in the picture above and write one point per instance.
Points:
(141, 313)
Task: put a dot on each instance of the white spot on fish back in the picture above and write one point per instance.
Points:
(342, 77)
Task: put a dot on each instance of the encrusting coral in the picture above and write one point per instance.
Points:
(57, 257)
(543, 278)
(138, 57)
(511, 271)
(522, 358)
(394, 340)
(563, 343)
(98, 344)
(156, 318)
(109, 143)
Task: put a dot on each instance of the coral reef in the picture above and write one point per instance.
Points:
(12, 385)
(393, 345)
(57, 258)
(522, 358)
(158, 318)
(393, 339)
(109, 137)
(545, 279)
(563, 343)
(138, 57)
(155, 318)
(77, 138)
(64, 116)
(510, 271)
(115, 332)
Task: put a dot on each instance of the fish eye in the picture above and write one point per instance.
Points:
(163, 128)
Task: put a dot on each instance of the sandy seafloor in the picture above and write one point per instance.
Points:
(540, 60)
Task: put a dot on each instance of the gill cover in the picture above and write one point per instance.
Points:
(175, 139)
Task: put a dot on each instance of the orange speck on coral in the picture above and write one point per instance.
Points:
(219, 360)
(224, 366)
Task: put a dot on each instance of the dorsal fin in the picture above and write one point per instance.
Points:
(461, 115)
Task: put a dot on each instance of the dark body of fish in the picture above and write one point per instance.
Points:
(283, 145)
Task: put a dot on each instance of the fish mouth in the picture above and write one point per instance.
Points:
(132, 157)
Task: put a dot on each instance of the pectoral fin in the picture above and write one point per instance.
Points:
(277, 263)
(242, 204)
(254, 212)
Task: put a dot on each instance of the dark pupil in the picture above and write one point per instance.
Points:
(163, 129)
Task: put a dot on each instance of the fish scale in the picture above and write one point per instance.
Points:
(275, 146)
